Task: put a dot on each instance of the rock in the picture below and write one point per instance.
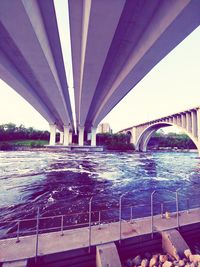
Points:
(181, 263)
(187, 253)
(185, 260)
(145, 263)
(194, 258)
(167, 264)
(137, 260)
(154, 260)
(163, 258)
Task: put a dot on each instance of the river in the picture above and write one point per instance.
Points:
(62, 182)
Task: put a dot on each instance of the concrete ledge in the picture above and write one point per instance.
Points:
(76, 148)
(107, 255)
(75, 239)
(20, 263)
(173, 243)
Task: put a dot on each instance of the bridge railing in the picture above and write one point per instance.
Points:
(120, 213)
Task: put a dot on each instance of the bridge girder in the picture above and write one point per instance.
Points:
(112, 53)
(31, 60)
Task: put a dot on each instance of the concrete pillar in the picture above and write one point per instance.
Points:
(93, 136)
(61, 137)
(183, 120)
(66, 135)
(81, 135)
(174, 119)
(198, 124)
(134, 136)
(198, 129)
(194, 123)
(188, 122)
(178, 120)
(70, 138)
(52, 140)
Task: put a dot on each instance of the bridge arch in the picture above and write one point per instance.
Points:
(147, 133)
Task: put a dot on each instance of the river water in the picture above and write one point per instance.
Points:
(62, 182)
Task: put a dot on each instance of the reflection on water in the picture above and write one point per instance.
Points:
(63, 182)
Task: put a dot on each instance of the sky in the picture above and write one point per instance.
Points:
(173, 85)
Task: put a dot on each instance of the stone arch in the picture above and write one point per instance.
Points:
(144, 137)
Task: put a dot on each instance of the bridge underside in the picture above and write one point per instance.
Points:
(114, 45)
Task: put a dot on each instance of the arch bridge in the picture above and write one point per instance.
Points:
(187, 121)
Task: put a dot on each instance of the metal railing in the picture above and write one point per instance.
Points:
(62, 222)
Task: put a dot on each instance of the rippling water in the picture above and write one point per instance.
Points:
(62, 183)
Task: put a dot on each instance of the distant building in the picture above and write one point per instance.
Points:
(104, 128)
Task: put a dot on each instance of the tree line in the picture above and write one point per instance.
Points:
(181, 141)
(11, 131)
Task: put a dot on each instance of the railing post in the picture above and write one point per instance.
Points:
(37, 234)
(99, 220)
(161, 209)
(90, 222)
(177, 208)
(152, 222)
(131, 214)
(18, 231)
(188, 206)
(62, 220)
(120, 218)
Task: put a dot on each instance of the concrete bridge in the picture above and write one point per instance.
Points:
(187, 121)
(106, 64)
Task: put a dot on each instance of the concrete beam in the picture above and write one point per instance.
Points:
(166, 29)
(174, 244)
(32, 59)
(90, 46)
(107, 255)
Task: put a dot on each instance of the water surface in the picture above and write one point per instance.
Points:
(62, 182)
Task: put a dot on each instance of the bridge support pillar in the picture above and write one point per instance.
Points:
(61, 137)
(194, 123)
(70, 138)
(198, 129)
(93, 136)
(81, 135)
(188, 122)
(52, 140)
(66, 136)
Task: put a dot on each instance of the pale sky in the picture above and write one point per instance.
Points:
(172, 86)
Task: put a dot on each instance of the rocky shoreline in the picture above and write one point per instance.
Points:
(164, 260)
